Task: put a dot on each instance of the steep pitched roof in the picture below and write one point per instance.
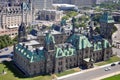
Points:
(32, 56)
(64, 51)
(79, 41)
(99, 45)
(49, 38)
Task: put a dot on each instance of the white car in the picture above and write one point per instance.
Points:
(107, 69)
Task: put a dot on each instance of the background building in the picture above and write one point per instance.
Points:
(50, 15)
(11, 16)
(101, 1)
(42, 4)
(79, 3)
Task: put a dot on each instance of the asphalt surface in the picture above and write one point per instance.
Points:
(5, 55)
(94, 73)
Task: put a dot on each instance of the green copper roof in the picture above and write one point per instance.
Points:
(32, 56)
(79, 41)
(106, 44)
(64, 52)
(49, 38)
(107, 18)
(98, 45)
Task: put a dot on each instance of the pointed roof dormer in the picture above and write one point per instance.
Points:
(49, 39)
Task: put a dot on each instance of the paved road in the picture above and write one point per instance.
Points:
(4, 55)
(93, 74)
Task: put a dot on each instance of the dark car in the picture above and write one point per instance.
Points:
(1, 51)
(119, 63)
(113, 64)
(6, 49)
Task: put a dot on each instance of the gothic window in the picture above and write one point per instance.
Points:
(70, 60)
(51, 46)
(34, 66)
(60, 63)
(66, 60)
(51, 57)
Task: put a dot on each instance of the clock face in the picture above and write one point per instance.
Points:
(25, 6)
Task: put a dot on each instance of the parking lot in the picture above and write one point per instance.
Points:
(5, 54)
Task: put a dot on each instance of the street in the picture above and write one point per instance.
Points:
(4, 55)
(89, 75)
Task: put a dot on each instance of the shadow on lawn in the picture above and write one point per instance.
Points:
(11, 66)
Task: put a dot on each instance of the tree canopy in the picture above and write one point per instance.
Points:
(6, 41)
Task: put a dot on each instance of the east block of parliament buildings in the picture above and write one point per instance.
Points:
(51, 51)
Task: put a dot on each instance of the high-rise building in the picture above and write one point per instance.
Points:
(78, 3)
(62, 1)
(101, 1)
(42, 4)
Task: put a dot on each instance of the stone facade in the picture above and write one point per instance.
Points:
(50, 15)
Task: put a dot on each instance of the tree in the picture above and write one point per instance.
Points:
(96, 17)
(114, 29)
(65, 17)
(5, 41)
(15, 39)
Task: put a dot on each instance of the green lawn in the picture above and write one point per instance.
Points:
(14, 74)
(111, 60)
(66, 72)
(116, 77)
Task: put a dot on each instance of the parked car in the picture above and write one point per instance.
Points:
(113, 64)
(1, 51)
(119, 63)
(107, 69)
(5, 49)
(11, 56)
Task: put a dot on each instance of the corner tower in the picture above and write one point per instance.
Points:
(22, 34)
(106, 26)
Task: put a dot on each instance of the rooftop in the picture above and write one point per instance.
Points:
(32, 55)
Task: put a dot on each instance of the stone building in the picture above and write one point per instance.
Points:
(12, 15)
(52, 51)
(42, 4)
(50, 15)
